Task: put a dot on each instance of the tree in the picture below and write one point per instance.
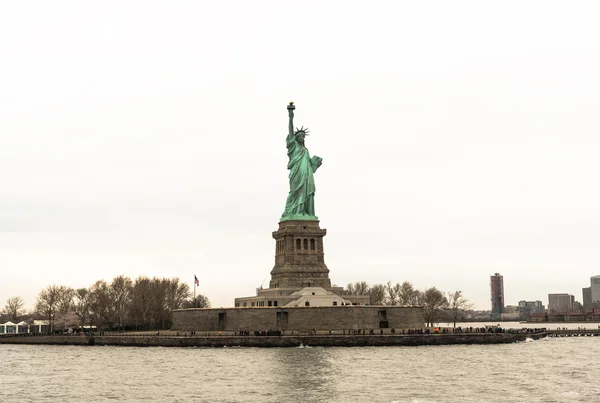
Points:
(158, 310)
(408, 295)
(377, 294)
(64, 304)
(14, 308)
(358, 288)
(199, 302)
(177, 293)
(81, 304)
(139, 310)
(101, 304)
(433, 301)
(393, 293)
(120, 292)
(457, 304)
(50, 300)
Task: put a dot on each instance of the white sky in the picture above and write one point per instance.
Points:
(458, 139)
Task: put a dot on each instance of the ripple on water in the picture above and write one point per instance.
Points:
(542, 371)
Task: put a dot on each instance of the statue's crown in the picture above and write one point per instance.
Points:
(302, 130)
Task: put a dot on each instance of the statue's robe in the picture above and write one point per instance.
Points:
(300, 202)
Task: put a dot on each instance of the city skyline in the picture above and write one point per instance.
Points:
(454, 145)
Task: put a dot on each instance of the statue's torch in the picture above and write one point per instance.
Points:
(291, 106)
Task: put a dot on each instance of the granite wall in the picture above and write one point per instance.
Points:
(298, 318)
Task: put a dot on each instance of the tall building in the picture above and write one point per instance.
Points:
(595, 286)
(497, 289)
(587, 298)
(560, 303)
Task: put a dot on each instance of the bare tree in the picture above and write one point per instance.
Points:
(101, 304)
(14, 308)
(358, 288)
(392, 292)
(457, 305)
(408, 295)
(158, 309)
(199, 302)
(64, 304)
(47, 302)
(377, 294)
(81, 304)
(120, 291)
(177, 293)
(139, 310)
(433, 301)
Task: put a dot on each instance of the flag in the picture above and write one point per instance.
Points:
(196, 282)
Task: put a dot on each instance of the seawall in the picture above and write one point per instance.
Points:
(298, 318)
(278, 341)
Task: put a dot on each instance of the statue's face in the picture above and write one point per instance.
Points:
(300, 137)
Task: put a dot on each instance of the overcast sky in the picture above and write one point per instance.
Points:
(458, 139)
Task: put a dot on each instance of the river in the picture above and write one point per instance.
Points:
(548, 370)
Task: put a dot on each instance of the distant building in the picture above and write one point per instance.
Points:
(14, 328)
(538, 317)
(307, 296)
(591, 295)
(531, 307)
(587, 298)
(40, 326)
(595, 288)
(560, 303)
(566, 317)
(510, 313)
(497, 290)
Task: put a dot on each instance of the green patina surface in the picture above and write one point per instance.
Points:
(300, 204)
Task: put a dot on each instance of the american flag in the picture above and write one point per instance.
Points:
(196, 280)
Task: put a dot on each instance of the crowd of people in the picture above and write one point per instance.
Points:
(370, 331)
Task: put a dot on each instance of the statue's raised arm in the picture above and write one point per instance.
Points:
(290, 109)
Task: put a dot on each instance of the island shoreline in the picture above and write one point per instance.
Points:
(414, 340)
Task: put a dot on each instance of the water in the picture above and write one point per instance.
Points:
(550, 370)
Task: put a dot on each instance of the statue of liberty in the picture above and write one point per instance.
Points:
(300, 203)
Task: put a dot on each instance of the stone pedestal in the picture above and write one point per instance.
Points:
(299, 256)
(300, 276)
